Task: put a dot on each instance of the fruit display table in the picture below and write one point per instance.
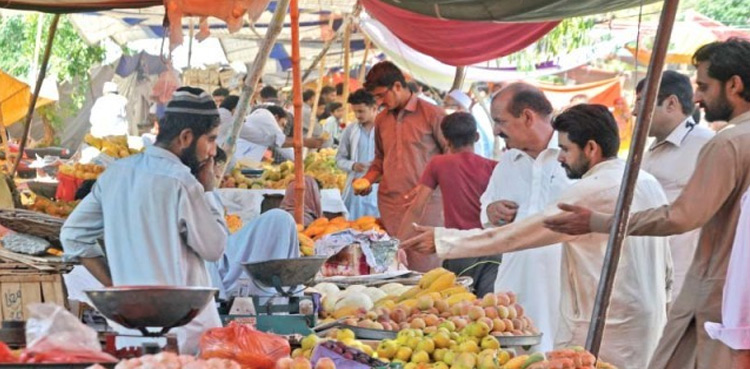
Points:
(246, 203)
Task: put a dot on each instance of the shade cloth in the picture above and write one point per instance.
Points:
(455, 42)
(513, 10)
(15, 97)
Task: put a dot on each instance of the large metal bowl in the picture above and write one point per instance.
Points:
(285, 272)
(141, 307)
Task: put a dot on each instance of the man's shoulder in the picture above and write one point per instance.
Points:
(155, 168)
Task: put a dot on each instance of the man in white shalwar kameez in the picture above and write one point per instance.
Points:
(527, 179)
(156, 213)
(356, 151)
(589, 142)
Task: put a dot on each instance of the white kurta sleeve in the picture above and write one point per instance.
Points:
(261, 128)
(490, 195)
(202, 224)
(83, 228)
(344, 153)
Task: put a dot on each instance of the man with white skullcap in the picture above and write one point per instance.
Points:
(156, 212)
(108, 115)
(457, 101)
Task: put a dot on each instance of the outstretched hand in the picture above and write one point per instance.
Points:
(423, 242)
(575, 220)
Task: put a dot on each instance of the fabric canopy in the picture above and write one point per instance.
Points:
(513, 10)
(15, 97)
(440, 75)
(455, 42)
(603, 92)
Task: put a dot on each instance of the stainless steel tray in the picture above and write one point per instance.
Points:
(518, 341)
(370, 334)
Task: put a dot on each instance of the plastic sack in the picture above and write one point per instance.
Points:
(54, 335)
(242, 343)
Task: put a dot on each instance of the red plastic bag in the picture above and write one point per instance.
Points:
(6, 354)
(240, 342)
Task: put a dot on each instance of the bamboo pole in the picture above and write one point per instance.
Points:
(299, 168)
(347, 67)
(253, 76)
(458, 80)
(619, 230)
(318, 89)
(339, 33)
(37, 88)
(363, 66)
(190, 43)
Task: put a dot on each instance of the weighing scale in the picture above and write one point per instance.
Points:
(295, 314)
(144, 308)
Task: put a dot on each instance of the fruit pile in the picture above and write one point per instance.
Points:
(355, 300)
(319, 165)
(341, 341)
(304, 363)
(322, 226)
(469, 348)
(572, 358)
(82, 171)
(437, 299)
(114, 146)
(54, 208)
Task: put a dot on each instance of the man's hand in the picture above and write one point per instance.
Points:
(359, 167)
(313, 142)
(206, 174)
(423, 242)
(574, 221)
(502, 212)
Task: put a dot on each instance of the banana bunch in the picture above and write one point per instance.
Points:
(114, 146)
(437, 281)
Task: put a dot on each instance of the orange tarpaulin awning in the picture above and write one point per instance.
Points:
(15, 97)
(603, 92)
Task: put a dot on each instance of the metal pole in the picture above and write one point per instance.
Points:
(253, 76)
(37, 88)
(299, 165)
(619, 230)
(458, 80)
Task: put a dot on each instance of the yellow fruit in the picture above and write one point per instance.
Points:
(361, 184)
(345, 334)
(467, 296)
(443, 282)
(430, 277)
(410, 304)
(410, 294)
(309, 342)
(344, 312)
(503, 357)
(516, 362)
(453, 290)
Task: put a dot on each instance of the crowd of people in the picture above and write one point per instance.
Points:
(533, 220)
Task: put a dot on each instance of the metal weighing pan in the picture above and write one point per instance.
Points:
(519, 341)
(141, 307)
(285, 272)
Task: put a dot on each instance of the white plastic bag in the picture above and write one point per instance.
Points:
(51, 327)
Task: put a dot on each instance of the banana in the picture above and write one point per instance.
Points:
(410, 294)
(516, 362)
(430, 277)
(445, 281)
(453, 290)
(460, 297)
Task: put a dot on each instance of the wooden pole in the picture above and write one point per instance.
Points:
(190, 43)
(363, 66)
(347, 67)
(339, 33)
(35, 96)
(299, 165)
(253, 77)
(458, 80)
(619, 230)
(318, 89)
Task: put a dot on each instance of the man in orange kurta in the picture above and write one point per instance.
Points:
(407, 136)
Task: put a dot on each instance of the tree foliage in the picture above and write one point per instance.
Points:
(729, 12)
(70, 59)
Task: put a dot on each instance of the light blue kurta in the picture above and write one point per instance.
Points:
(357, 146)
(159, 227)
(252, 243)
